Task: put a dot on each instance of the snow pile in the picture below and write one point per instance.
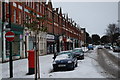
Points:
(0, 71)
(114, 53)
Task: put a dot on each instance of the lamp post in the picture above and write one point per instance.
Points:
(53, 32)
(26, 34)
(11, 62)
(84, 34)
(3, 20)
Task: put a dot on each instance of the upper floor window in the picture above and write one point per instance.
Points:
(20, 7)
(37, 7)
(40, 8)
(14, 16)
(26, 10)
(20, 17)
(14, 4)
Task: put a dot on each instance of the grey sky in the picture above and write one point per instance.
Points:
(94, 16)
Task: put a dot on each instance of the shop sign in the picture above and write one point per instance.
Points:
(50, 36)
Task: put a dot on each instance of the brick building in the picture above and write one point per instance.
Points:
(62, 32)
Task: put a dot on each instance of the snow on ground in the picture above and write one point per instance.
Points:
(0, 71)
(114, 53)
(87, 68)
(20, 69)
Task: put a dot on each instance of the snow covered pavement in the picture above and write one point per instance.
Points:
(87, 68)
(117, 54)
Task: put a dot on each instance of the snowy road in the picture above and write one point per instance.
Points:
(109, 62)
(87, 68)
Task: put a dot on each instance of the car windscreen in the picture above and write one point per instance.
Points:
(77, 50)
(65, 55)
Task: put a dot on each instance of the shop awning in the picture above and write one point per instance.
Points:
(17, 29)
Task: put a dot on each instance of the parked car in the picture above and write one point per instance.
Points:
(78, 52)
(65, 60)
(107, 46)
(116, 49)
(90, 47)
(100, 47)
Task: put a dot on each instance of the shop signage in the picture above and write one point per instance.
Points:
(50, 36)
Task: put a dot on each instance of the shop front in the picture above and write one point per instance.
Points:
(57, 43)
(17, 44)
(69, 43)
(50, 44)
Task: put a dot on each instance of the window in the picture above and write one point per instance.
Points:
(37, 7)
(26, 10)
(14, 16)
(20, 7)
(20, 18)
(40, 8)
(14, 4)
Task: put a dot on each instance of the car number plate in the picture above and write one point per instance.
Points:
(61, 65)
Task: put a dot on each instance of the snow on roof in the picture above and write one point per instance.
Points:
(62, 56)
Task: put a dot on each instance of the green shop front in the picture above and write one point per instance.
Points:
(17, 44)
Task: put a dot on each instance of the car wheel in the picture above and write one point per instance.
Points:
(76, 64)
(73, 67)
(54, 69)
(83, 57)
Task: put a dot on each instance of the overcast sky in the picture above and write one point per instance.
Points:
(94, 16)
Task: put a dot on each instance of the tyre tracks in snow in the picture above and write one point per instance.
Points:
(108, 62)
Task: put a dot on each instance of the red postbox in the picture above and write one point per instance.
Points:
(31, 64)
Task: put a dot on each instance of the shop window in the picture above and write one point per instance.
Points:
(31, 41)
(16, 45)
(7, 49)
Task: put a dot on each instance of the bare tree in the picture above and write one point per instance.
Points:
(36, 24)
(111, 30)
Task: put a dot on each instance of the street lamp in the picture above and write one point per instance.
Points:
(53, 32)
(84, 32)
(26, 34)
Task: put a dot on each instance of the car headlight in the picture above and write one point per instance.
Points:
(81, 54)
(69, 61)
(54, 62)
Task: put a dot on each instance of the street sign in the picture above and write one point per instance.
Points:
(9, 36)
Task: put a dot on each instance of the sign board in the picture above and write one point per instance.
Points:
(50, 36)
(9, 36)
